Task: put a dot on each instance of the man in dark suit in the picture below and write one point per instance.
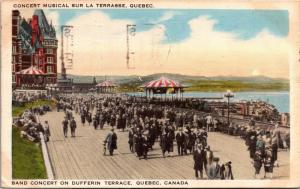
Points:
(199, 159)
(65, 123)
(73, 126)
(180, 138)
(111, 140)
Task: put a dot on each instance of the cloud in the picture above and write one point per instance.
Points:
(166, 16)
(100, 47)
(209, 52)
(255, 72)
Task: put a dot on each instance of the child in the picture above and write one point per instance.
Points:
(258, 160)
(268, 163)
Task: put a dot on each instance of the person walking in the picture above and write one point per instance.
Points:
(111, 141)
(138, 144)
(199, 159)
(209, 155)
(180, 139)
(209, 122)
(89, 118)
(73, 126)
(95, 122)
(46, 131)
(130, 139)
(274, 145)
(65, 123)
(214, 170)
(252, 146)
(258, 161)
(82, 116)
(164, 143)
(145, 146)
(226, 171)
(268, 162)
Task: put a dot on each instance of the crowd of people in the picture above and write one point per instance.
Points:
(31, 126)
(21, 97)
(147, 124)
(154, 123)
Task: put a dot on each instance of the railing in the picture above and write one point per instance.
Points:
(48, 165)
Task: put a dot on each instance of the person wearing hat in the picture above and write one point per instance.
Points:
(257, 163)
(199, 161)
(82, 116)
(274, 146)
(268, 162)
(145, 145)
(226, 171)
(209, 157)
(73, 126)
(252, 146)
(209, 122)
(165, 142)
(65, 123)
(46, 130)
(111, 141)
(191, 141)
(180, 139)
(130, 139)
(214, 170)
(138, 143)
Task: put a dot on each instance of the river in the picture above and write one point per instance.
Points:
(281, 100)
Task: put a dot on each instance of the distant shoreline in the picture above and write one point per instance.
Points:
(214, 91)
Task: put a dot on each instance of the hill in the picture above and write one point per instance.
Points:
(195, 83)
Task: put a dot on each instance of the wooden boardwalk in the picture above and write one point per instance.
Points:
(81, 157)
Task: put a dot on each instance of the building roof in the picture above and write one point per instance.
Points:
(163, 82)
(47, 29)
(37, 44)
(25, 32)
(25, 26)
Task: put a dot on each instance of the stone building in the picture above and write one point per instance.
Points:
(34, 44)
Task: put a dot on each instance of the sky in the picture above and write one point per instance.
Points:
(206, 42)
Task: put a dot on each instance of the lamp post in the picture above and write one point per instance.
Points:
(228, 95)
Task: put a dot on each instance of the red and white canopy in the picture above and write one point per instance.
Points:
(32, 70)
(162, 82)
(106, 84)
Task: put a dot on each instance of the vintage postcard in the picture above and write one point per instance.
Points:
(152, 94)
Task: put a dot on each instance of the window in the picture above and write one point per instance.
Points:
(49, 69)
(49, 59)
(14, 49)
(14, 59)
(49, 51)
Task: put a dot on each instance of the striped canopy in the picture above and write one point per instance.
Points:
(106, 84)
(163, 82)
(32, 70)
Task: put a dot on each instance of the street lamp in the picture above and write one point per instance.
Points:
(228, 95)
